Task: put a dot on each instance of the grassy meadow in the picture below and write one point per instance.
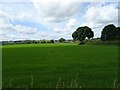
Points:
(59, 65)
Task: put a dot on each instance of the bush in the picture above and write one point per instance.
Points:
(43, 41)
(52, 41)
(62, 40)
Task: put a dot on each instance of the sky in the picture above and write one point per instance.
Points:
(53, 19)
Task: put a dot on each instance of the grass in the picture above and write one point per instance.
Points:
(59, 65)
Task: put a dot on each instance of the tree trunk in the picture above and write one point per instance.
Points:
(81, 42)
(105, 38)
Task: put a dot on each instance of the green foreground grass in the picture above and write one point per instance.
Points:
(59, 65)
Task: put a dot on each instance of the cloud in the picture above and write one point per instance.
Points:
(59, 17)
(5, 26)
(67, 30)
(72, 22)
(56, 11)
(96, 17)
(24, 29)
(105, 14)
(62, 0)
(3, 14)
(13, 32)
(10, 32)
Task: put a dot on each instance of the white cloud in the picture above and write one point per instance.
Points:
(72, 22)
(25, 30)
(24, 15)
(56, 11)
(59, 16)
(67, 30)
(3, 14)
(11, 32)
(105, 14)
(96, 17)
(62, 0)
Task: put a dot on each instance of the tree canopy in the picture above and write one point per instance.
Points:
(118, 33)
(82, 32)
(52, 41)
(62, 40)
(110, 32)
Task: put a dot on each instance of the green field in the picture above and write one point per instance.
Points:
(59, 65)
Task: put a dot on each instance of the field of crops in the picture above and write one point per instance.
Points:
(59, 65)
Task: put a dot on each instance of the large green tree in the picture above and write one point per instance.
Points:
(118, 33)
(110, 32)
(82, 32)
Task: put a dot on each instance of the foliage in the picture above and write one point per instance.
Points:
(62, 40)
(82, 32)
(43, 41)
(52, 41)
(118, 33)
(110, 32)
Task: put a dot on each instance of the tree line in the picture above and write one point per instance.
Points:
(61, 40)
(108, 33)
